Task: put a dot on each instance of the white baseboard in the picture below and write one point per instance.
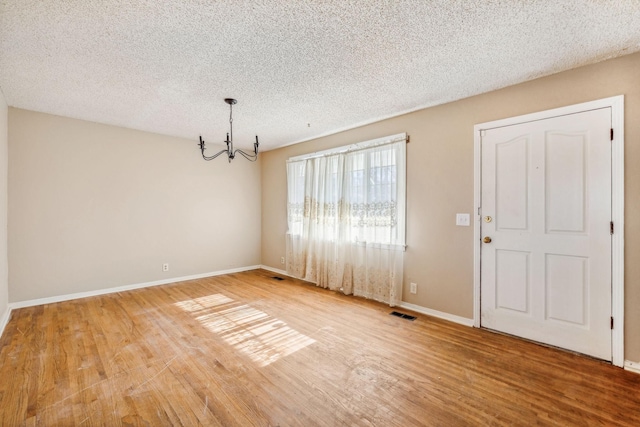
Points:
(4, 319)
(275, 270)
(439, 314)
(632, 366)
(67, 297)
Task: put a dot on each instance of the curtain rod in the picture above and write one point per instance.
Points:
(358, 146)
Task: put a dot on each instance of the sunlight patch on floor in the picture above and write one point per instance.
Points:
(262, 337)
(202, 303)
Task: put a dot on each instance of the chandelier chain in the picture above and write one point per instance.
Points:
(231, 120)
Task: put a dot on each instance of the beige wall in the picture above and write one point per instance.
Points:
(440, 174)
(4, 264)
(93, 206)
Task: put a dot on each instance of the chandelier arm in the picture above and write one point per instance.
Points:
(202, 148)
(250, 157)
(213, 156)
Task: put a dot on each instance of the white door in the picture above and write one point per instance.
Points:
(546, 207)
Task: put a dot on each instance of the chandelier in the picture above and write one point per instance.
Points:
(231, 154)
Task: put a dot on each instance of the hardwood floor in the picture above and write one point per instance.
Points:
(247, 350)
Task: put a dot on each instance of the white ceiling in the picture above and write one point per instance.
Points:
(299, 69)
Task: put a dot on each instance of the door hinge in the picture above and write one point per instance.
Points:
(612, 134)
(611, 227)
(611, 322)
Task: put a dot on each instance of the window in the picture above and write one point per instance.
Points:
(346, 213)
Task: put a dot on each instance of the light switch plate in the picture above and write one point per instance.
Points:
(463, 219)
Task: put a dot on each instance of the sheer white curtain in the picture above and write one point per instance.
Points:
(346, 218)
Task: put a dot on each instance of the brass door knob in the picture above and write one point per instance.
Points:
(487, 239)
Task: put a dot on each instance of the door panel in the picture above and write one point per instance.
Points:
(546, 205)
(567, 288)
(566, 166)
(512, 187)
(512, 280)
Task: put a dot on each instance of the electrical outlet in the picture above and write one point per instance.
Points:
(281, 260)
(413, 288)
(165, 267)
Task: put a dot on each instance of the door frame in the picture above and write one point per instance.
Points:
(616, 103)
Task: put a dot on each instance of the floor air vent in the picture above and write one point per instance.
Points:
(404, 316)
(277, 278)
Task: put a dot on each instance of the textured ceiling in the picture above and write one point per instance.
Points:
(298, 69)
